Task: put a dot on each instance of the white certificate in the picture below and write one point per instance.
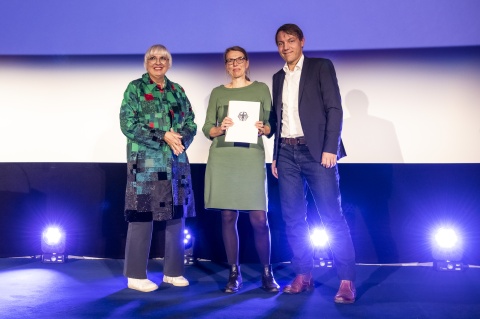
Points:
(244, 114)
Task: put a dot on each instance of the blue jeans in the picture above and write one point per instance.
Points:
(297, 169)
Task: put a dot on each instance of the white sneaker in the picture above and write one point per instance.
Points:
(179, 281)
(143, 285)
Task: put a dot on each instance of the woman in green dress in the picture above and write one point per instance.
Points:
(235, 177)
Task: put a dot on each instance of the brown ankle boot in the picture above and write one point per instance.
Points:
(268, 282)
(234, 279)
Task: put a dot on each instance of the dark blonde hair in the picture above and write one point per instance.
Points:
(292, 29)
(238, 49)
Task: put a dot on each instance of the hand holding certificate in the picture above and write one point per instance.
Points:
(244, 115)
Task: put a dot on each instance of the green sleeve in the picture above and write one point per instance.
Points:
(267, 109)
(211, 116)
(130, 124)
(189, 128)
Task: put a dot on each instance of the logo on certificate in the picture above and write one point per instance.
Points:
(243, 116)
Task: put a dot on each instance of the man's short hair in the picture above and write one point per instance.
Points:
(292, 29)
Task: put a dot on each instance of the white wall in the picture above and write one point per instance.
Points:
(406, 106)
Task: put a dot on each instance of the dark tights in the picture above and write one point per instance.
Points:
(261, 233)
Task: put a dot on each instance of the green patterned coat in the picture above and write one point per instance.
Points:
(159, 185)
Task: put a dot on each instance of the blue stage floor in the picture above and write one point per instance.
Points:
(96, 288)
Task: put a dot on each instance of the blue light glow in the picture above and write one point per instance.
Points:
(187, 237)
(446, 237)
(319, 237)
(53, 235)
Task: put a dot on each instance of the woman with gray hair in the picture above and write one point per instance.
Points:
(158, 121)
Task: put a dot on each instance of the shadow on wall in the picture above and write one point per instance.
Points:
(369, 138)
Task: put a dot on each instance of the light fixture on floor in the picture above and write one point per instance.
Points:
(447, 250)
(188, 242)
(322, 255)
(53, 245)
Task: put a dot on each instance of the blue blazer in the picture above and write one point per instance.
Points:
(320, 108)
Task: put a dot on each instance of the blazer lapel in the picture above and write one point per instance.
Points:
(303, 79)
(279, 84)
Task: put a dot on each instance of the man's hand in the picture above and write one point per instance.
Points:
(174, 140)
(274, 169)
(329, 160)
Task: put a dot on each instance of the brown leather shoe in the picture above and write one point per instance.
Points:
(346, 293)
(302, 282)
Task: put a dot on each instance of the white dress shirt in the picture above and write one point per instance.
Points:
(291, 126)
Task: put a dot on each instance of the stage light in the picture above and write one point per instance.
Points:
(53, 245)
(446, 237)
(319, 237)
(447, 249)
(188, 241)
(321, 250)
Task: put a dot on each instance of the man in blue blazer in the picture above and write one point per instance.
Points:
(309, 116)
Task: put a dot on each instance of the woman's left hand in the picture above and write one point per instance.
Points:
(174, 140)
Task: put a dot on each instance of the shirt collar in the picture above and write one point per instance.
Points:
(298, 66)
(146, 79)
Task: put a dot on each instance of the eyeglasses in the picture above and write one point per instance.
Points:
(153, 59)
(239, 60)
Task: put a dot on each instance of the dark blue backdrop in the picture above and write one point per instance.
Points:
(391, 209)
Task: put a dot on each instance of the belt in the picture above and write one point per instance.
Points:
(293, 141)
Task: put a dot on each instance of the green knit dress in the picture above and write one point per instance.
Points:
(235, 176)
